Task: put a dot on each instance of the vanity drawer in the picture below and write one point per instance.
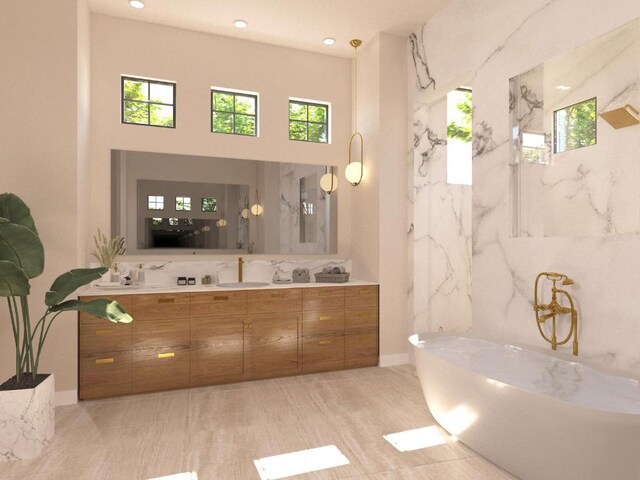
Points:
(161, 368)
(162, 333)
(361, 320)
(323, 352)
(361, 350)
(128, 302)
(105, 336)
(357, 297)
(219, 303)
(323, 322)
(283, 300)
(322, 298)
(104, 375)
(163, 305)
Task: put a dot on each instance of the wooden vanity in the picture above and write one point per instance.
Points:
(188, 339)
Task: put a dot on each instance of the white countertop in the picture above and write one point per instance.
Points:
(96, 290)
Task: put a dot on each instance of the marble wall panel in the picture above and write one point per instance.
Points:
(490, 41)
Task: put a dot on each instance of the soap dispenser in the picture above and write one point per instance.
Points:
(276, 277)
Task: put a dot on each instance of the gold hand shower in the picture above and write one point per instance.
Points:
(554, 309)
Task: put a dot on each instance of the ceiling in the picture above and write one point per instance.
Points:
(298, 24)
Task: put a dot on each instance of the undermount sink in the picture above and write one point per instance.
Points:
(242, 284)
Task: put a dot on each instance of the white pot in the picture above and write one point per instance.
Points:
(26, 421)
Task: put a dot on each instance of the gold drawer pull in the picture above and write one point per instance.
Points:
(324, 317)
(166, 355)
(165, 326)
(324, 342)
(277, 295)
(104, 331)
(221, 297)
(166, 300)
(102, 361)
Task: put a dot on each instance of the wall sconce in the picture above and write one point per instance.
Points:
(355, 170)
(622, 117)
(256, 208)
(329, 181)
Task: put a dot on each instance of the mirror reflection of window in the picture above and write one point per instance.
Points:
(575, 126)
(307, 217)
(459, 136)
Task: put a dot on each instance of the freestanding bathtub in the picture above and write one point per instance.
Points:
(538, 416)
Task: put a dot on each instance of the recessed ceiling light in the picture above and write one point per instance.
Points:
(563, 87)
(329, 41)
(240, 23)
(136, 3)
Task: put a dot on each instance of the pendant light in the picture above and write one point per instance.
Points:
(256, 208)
(244, 213)
(355, 170)
(328, 181)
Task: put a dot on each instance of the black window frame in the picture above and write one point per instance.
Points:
(307, 121)
(233, 113)
(555, 126)
(149, 81)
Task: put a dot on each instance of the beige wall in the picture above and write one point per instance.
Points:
(379, 202)
(197, 61)
(39, 147)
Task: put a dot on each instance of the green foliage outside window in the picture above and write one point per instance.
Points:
(146, 102)
(575, 126)
(209, 204)
(461, 129)
(308, 122)
(233, 113)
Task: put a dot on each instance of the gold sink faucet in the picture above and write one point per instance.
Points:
(240, 263)
(553, 309)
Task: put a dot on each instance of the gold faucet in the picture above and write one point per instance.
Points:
(240, 263)
(554, 309)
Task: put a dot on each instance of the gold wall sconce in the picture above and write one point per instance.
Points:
(355, 170)
(626, 116)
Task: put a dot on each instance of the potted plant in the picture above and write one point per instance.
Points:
(26, 399)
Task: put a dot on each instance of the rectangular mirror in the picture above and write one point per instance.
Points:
(166, 203)
(572, 173)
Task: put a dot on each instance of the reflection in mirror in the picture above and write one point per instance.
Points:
(165, 203)
(571, 172)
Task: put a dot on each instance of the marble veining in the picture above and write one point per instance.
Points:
(423, 76)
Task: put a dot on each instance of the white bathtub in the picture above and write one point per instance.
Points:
(537, 416)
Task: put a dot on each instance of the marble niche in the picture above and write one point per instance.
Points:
(591, 190)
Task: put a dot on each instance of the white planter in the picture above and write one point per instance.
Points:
(26, 421)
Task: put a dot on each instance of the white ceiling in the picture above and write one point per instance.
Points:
(298, 24)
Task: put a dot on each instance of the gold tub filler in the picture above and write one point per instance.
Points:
(553, 309)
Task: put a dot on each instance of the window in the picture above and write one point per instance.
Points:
(209, 204)
(156, 221)
(173, 222)
(148, 102)
(575, 126)
(234, 112)
(155, 202)
(308, 122)
(459, 136)
(188, 222)
(183, 204)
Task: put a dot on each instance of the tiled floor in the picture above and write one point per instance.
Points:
(219, 431)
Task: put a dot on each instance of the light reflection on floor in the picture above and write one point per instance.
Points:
(179, 476)
(416, 439)
(296, 463)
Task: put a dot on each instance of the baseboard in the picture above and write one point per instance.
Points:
(395, 359)
(65, 397)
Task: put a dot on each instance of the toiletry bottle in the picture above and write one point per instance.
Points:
(140, 274)
(276, 277)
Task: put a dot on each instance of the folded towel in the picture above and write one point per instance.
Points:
(338, 270)
(327, 270)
